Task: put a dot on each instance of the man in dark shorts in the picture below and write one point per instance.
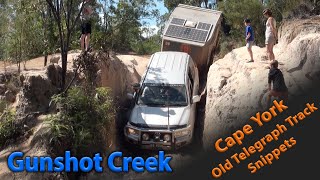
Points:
(85, 25)
(279, 88)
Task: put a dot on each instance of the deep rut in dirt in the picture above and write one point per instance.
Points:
(195, 146)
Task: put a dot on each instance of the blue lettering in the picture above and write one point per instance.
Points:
(11, 164)
(138, 161)
(43, 166)
(125, 164)
(97, 162)
(16, 163)
(59, 164)
(83, 167)
(164, 162)
(111, 158)
(68, 161)
(151, 164)
(34, 167)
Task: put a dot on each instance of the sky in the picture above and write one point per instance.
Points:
(153, 22)
(161, 8)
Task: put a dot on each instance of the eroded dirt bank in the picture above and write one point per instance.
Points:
(29, 95)
(236, 88)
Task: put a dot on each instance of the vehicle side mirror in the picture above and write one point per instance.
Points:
(136, 86)
(130, 96)
(196, 99)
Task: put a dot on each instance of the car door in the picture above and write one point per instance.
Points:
(194, 91)
(195, 76)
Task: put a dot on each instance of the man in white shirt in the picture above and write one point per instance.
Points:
(85, 24)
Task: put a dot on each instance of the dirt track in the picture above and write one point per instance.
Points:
(139, 64)
(34, 64)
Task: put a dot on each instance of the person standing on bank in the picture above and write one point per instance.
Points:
(85, 18)
(271, 33)
(249, 38)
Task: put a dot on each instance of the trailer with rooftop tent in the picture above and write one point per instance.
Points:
(164, 102)
(193, 30)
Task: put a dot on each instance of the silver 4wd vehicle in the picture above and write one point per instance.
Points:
(164, 109)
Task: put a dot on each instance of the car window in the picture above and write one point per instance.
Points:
(163, 95)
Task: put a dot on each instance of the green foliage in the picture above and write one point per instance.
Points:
(171, 4)
(30, 29)
(227, 44)
(148, 46)
(125, 22)
(235, 12)
(281, 9)
(8, 129)
(3, 105)
(122, 25)
(162, 20)
(82, 120)
(23, 32)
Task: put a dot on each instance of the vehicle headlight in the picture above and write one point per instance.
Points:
(145, 137)
(182, 133)
(167, 137)
(132, 131)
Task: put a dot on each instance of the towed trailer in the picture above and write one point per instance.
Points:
(193, 30)
(165, 101)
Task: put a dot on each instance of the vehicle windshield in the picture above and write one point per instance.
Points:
(163, 95)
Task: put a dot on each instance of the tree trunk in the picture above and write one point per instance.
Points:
(18, 61)
(5, 66)
(45, 59)
(45, 35)
(64, 59)
(24, 65)
(19, 67)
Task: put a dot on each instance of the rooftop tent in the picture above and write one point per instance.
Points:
(193, 30)
(204, 23)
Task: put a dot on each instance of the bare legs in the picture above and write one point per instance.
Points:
(251, 54)
(282, 95)
(85, 40)
(83, 36)
(270, 51)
